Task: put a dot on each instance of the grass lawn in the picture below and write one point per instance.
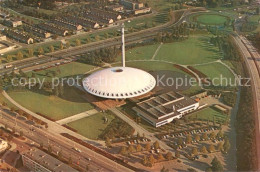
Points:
(153, 66)
(217, 70)
(210, 19)
(208, 114)
(54, 107)
(66, 70)
(91, 127)
(194, 50)
(140, 53)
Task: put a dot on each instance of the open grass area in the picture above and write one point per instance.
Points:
(141, 53)
(217, 71)
(161, 5)
(208, 114)
(210, 19)
(91, 127)
(66, 70)
(194, 50)
(54, 107)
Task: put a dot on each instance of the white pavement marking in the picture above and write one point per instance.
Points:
(77, 117)
(157, 50)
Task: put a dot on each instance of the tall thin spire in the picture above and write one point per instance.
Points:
(123, 45)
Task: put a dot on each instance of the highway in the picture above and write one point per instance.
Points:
(59, 143)
(249, 53)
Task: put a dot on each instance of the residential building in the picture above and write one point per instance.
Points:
(131, 5)
(13, 23)
(53, 29)
(19, 36)
(116, 8)
(39, 161)
(3, 145)
(36, 31)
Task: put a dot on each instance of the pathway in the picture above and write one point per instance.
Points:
(77, 117)
(157, 50)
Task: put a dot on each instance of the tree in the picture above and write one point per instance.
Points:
(220, 146)
(145, 160)
(156, 145)
(41, 145)
(164, 169)
(212, 135)
(30, 52)
(216, 165)
(203, 150)
(97, 38)
(108, 142)
(60, 154)
(148, 147)
(168, 156)
(205, 136)
(211, 148)
(188, 139)
(61, 46)
(131, 149)
(40, 51)
(151, 160)
(197, 137)
(67, 44)
(9, 58)
(226, 145)
(78, 42)
(49, 149)
(220, 134)
(177, 154)
(51, 48)
(123, 151)
(87, 168)
(70, 160)
(139, 148)
(160, 157)
(21, 133)
(19, 55)
(194, 151)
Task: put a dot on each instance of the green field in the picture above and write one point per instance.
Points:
(91, 127)
(210, 19)
(66, 70)
(54, 107)
(217, 70)
(140, 53)
(194, 50)
(208, 114)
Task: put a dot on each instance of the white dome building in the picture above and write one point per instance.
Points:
(119, 82)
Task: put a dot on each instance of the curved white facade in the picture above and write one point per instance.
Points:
(119, 83)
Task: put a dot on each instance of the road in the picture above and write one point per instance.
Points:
(59, 143)
(249, 53)
(74, 51)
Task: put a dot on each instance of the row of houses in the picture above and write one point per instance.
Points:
(67, 24)
(36, 31)
(81, 21)
(50, 27)
(19, 36)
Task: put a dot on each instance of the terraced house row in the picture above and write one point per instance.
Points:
(19, 36)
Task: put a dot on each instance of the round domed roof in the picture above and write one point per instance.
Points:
(119, 83)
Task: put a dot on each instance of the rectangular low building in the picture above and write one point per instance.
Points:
(165, 108)
(37, 160)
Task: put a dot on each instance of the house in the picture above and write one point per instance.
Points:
(3, 145)
(116, 7)
(131, 5)
(37, 31)
(98, 19)
(66, 24)
(106, 14)
(13, 23)
(82, 21)
(19, 36)
(53, 29)
(142, 11)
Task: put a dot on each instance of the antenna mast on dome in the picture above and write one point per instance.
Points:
(123, 45)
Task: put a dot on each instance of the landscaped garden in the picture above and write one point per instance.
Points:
(210, 19)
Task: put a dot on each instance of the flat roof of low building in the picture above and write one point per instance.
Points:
(165, 105)
(47, 160)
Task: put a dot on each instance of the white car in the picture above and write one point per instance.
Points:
(78, 150)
